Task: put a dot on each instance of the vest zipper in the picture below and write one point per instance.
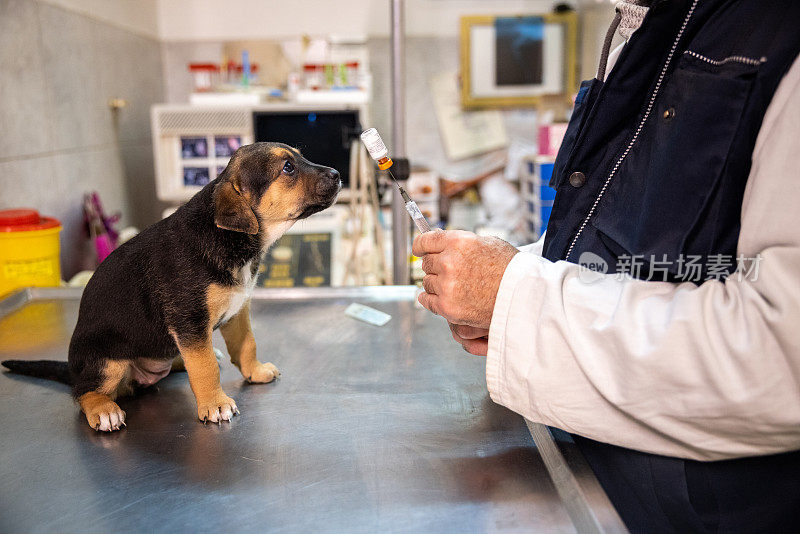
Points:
(729, 59)
(637, 132)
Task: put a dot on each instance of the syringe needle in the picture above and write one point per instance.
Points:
(378, 151)
(393, 178)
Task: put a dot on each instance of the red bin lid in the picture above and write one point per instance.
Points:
(25, 220)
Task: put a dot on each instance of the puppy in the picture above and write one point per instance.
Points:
(161, 294)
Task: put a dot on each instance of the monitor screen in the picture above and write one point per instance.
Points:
(198, 176)
(194, 147)
(323, 137)
(226, 145)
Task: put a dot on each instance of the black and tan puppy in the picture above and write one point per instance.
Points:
(161, 294)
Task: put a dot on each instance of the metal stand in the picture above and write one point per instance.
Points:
(372, 268)
(400, 222)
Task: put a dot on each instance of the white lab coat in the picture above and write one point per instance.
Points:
(703, 372)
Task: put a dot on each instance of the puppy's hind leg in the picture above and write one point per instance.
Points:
(102, 413)
(242, 348)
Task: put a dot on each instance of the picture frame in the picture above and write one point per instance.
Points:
(517, 61)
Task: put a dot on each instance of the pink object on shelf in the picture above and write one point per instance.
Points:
(99, 226)
(550, 137)
(103, 246)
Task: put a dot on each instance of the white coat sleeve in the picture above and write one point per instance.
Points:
(534, 248)
(704, 372)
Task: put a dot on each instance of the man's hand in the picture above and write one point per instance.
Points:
(462, 274)
(473, 340)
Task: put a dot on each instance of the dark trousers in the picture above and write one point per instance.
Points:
(656, 494)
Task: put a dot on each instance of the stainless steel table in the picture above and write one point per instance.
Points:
(370, 429)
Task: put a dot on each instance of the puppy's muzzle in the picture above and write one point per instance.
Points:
(329, 185)
(325, 190)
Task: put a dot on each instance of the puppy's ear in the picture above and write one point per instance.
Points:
(231, 210)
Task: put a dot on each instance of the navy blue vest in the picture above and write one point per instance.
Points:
(653, 166)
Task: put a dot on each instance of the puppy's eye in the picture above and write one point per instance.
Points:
(288, 167)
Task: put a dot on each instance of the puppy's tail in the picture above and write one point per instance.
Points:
(49, 369)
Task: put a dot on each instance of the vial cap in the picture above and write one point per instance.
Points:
(372, 140)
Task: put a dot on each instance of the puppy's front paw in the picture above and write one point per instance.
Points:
(106, 417)
(263, 373)
(218, 409)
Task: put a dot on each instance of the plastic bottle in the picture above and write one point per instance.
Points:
(376, 148)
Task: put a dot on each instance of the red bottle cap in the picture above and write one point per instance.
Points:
(25, 220)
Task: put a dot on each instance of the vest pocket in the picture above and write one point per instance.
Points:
(655, 199)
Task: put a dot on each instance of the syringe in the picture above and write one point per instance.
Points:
(378, 151)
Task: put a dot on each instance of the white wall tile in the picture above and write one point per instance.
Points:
(76, 118)
(58, 69)
(23, 101)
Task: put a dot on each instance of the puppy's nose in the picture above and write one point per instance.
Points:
(330, 182)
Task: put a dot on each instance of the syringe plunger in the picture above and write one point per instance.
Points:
(376, 148)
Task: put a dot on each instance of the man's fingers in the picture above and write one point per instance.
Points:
(430, 283)
(468, 332)
(429, 243)
(429, 302)
(432, 264)
(435, 304)
(478, 347)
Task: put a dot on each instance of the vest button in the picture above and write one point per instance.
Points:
(577, 179)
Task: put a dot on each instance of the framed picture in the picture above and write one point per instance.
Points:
(516, 61)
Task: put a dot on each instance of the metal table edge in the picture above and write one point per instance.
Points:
(20, 297)
(14, 301)
(580, 498)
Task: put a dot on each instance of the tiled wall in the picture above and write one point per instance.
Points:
(60, 139)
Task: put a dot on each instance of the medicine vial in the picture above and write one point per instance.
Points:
(376, 148)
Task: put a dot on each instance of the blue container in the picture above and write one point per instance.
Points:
(545, 171)
(546, 210)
